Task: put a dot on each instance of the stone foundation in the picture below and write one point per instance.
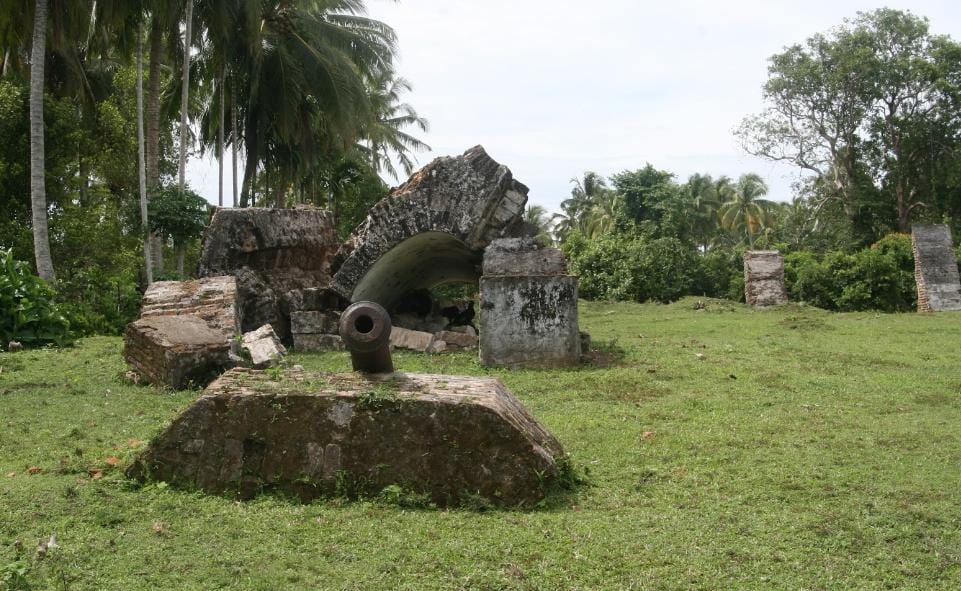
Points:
(528, 307)
(310, 435)
(764, 278)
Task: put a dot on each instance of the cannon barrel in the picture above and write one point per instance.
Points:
(365, 328)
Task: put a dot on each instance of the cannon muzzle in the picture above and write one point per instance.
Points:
(365, 328)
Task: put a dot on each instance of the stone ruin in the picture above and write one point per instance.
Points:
(764, 278)
(448, 438)
(528, 306)
(935, 268)
(285, 268)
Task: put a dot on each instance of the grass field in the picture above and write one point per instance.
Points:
(726, 449)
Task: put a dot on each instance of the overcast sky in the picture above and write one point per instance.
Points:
(553, 88)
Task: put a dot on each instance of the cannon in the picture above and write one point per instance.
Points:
(365, 328)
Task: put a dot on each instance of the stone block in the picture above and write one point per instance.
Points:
(214, 299)
(264, 347)
(522, 256)
(302, 434)
(457, 340)
(529, 321)
(764, 278)
(935, 268)
(318, 342)
(414, 340)
(314, 322)
(175, 351)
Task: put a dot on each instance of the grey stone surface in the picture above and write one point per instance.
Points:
(935, 268)
(414, 340)
(431, 230)
(528, 307)
(175, 351)
(764, 278)
(457, 340)
(213, 299)
(314, 322)
(275, 254)
(263, 347)
(449, 437)
(519, 256)
(529, 321)
(318, 342)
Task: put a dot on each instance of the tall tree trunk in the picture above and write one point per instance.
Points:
(152, 147)
(141, 158)
(181, 251)
(38, 190)
(185, 96)
(235, 137)
(220, 140)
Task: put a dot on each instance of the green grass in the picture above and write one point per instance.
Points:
(728, 448)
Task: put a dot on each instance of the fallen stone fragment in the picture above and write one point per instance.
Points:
(264, 347)
(175, 351)
(318, 342)
(468, 330)
(437, 346)
(214, 299)
(457, 340)
(311, 434)
(414, 340)
(13, 346)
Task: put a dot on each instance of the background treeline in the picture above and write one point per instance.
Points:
(300, 99)
(870, 114)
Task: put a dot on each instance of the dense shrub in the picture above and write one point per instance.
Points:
(619, 267)
(99, 302)
(877, 278)
(720, 275)
(28, 311)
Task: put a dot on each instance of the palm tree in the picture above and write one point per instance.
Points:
(304, 71)
(141, 157)
(185, 95)
(536, 217)
(746, 209)
(602, 216)
(390, 117)
(38, 191)
(576, 209)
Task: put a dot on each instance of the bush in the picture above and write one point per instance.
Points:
(99, 302)
(877, 278)
(720, 275)
(620, 267)
(28, 311)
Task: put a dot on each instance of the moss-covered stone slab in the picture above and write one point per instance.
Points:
(313, 434)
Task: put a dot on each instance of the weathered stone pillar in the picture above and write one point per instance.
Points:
(528, 306)
(764, 278)
(935, 268)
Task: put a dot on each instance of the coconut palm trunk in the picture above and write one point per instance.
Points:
(185, 96)
(38, 190)
(141, 158)
(152, 146)
(234, 136)
(220, 141)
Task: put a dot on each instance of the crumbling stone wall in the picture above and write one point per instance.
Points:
(528, 307)
(935, 268)
(431, 230)
(764, 278)
(275, 254)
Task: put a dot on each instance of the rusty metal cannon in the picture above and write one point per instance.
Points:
(365, 328)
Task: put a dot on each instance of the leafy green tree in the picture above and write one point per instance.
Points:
(870, 110)
(536, 217)
(178, 215)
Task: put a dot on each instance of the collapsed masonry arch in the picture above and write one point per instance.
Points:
(433, 229)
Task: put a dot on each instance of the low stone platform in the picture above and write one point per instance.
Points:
(175, 351)
(315, 434)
